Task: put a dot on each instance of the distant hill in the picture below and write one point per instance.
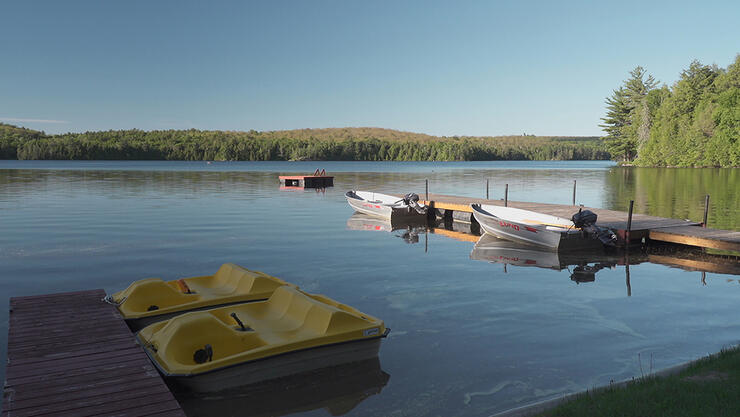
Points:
(351, 143)
(12, 136)
(344, 133)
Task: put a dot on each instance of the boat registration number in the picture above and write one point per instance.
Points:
(504, 224)
(372, 332)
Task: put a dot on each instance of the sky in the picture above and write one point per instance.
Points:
(444, 68)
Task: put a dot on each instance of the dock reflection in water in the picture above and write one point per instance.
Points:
(337, 389)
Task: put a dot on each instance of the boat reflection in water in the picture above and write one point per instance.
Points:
(337, 389)
(407, 230)
(583, 266)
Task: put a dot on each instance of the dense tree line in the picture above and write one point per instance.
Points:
(695, 122)
(352, 144)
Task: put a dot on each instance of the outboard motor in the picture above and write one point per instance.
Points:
(586, 221)
(584, 218)
(412, 200)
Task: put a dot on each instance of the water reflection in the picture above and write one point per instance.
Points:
(582, 265)
(677, 193)
(408, 231)
(337, 389)
(466, 341)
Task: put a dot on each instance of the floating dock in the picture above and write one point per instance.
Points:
(317, 180)
(642, 226)
(71, 354)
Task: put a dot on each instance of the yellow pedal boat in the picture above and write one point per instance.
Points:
(150, 300)
(241, 344)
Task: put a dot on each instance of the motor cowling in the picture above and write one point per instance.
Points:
(412, 200)
(410, 197)
(584, 218)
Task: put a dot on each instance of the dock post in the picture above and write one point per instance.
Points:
(431, 213)
(506, 196)
(486, 188)
(426, 189)
(574, 192)
(629, 224)
(706, 210)
(627, 275)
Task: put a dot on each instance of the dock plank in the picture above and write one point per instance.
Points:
(71, 354)
(699, 236)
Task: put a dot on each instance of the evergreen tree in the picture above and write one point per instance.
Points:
(628, 117)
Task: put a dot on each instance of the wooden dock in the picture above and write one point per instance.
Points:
(643, 226)
(71, 354)
(317, 180)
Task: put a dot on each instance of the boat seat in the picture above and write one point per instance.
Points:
(290, 314)
(179, 338)
(230, 284)
(153, 295)
(233, 279)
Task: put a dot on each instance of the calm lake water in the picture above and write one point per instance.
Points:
(469, 337)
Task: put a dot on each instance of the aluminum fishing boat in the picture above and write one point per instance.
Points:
(543, 230)
(387, 206)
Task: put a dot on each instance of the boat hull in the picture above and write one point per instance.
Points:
(385, 210)
(276, 366)
(516, 231)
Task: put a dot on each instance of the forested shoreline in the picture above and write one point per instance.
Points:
(693, 123)
(348, 144)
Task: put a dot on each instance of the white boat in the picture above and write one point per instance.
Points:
(386, 206)
(532, 228)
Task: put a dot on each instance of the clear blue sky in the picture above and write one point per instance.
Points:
(437, 67)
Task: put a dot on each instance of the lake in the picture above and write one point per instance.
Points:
(469, 337)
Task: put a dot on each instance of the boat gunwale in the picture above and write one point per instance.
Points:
(353, 195)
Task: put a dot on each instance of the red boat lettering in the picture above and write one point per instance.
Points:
(530, 229)
(377, 206)
(504, 224)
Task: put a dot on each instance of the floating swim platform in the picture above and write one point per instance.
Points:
(150, 300)
(241, 344)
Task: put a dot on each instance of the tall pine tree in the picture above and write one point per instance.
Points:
(628, 118)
